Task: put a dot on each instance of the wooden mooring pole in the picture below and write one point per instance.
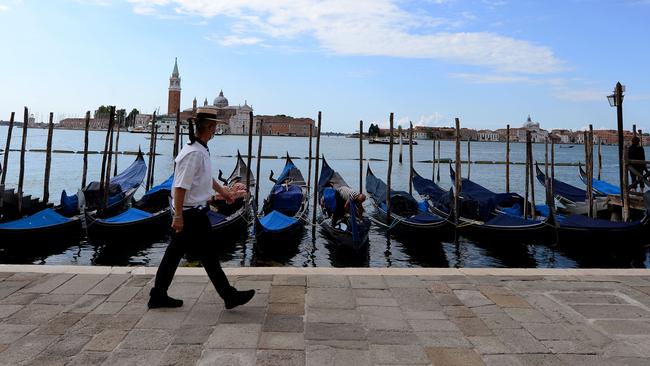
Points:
(7, 147)
(177, 128)
(151, 141)
(469, 157)
(48, 160)
(411, 158)
(117, 142)
(153, 158)
(250, 153)
(259, 163)
(109, 153)
(399, 131)
(600, 157)
(390, 169)
(532, 177)
(439, 154)
(21, 175)
(84, 173)
(527, 182)
(588, 166)
(309, 157)
(507, 158)
(457, 176)
(433, 160)
(552, 171)
(360, 156)
(316, 166)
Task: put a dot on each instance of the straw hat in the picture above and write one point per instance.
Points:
(204, 114)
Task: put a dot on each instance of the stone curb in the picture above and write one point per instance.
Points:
(243, 271)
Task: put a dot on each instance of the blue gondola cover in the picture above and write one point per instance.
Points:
(329, 199)
(130, 215)
(286, 199)
(276, 221)
(215, 217)
(509, 220)
(69, 204)
(584, 222)
(424, 218)
(164, 186)
(45, 218)
(427, 187)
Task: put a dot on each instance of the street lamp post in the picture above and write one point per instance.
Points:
(616, 100)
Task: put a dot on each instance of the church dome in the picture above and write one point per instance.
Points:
(220, 101)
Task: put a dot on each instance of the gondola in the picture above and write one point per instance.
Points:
(571, 197)
(411, 218)
(121, 189)
(285, 208)
(62, 223)
(601, 187)
(232, 219)
(349, 231)
(149, 217)
(580, 230)
(485, 215)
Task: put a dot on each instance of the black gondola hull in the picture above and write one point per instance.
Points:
(343, 238)
(56, 235)
(151, 227)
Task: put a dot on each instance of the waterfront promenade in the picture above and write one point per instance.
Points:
(67, 315)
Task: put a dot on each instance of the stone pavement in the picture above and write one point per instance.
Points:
(65, 315)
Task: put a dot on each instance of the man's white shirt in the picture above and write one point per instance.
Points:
(193, 173)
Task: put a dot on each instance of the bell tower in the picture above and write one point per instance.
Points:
(174, 97)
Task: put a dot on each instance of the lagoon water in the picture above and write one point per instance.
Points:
(342, 154)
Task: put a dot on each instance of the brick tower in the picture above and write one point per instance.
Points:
(174, 98)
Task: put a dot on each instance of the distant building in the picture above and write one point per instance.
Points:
(281, 125)
(80, 123)
(488, 135)
(174, 96)
(421, 132)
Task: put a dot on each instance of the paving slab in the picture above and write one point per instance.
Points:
(67, 315)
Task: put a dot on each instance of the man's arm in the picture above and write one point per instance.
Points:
(179, 198)
(225, 193)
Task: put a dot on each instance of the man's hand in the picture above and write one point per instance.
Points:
(228, 197)
(177, 224)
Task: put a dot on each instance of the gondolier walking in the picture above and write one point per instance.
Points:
(192, 189)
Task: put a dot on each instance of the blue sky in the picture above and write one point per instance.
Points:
(488, 62)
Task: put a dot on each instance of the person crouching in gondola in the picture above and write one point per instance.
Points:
(338, 201)
(192, 189)
(636, 152)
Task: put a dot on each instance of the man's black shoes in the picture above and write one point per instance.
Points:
(239, 298)
(160, 299)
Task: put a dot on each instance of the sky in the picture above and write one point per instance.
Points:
(487, 62)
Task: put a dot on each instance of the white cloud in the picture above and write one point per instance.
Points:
(5, 5)
(585, 95)
(234, 40)
(369, 28)
(429, 120)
